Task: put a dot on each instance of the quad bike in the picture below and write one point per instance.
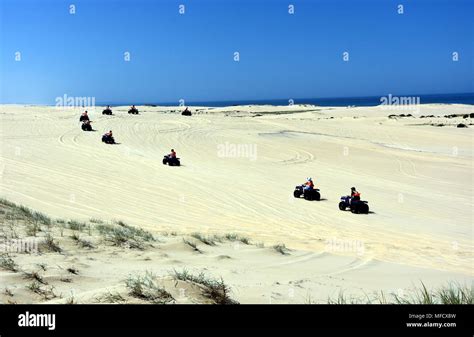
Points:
(133, 111)
(312, 194)
(86, 126)
(108, 139)
(356, 206)
(107, 112)
(171, 161)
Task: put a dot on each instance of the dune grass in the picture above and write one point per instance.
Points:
(214, 289)
(43, 266)
(7, 263)
(452, 293)
(236, 237)
(123, 235)
(146, 288)
(71, 300)
(49, 245)
(81, 242)
(20, 212)
(207, 240)
(34, 286)
(46, 293)
(40, 218)
(110, 297)
(193, 245)
(281, 248)
(34, 276)
(73, 270)
(76, 225)
(32, 229)
(137, 232)
(347, 299)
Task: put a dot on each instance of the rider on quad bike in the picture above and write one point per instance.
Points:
(107, 111)
(307, 190)
(86, 125)
(84, 117)
(171, 159)
(133, 110)
(108, 138)
(186, 112)
(354, 203)
(172, 154)
(355, 195)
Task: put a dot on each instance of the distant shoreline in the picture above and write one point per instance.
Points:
(210, 107)
(461, 98)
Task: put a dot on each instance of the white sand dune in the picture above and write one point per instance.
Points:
(417, 179)
(254, 274)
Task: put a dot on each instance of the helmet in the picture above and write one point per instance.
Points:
(353, 188)
(309, 179)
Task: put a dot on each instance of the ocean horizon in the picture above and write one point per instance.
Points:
(460, 98)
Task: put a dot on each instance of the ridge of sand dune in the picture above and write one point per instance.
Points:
(416, 177)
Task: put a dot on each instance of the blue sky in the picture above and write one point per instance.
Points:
(191, 56)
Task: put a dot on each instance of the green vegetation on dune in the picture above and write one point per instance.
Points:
(214, 289)
(147, 288)
(452, 293)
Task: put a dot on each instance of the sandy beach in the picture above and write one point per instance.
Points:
(240, 165)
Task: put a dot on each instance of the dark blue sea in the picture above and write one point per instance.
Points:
(466, 98)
